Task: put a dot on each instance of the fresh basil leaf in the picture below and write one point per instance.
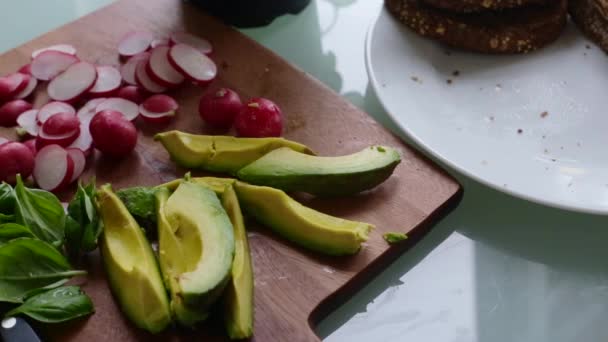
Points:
(83, 225)
(55, 306)
(41, 212)
(7, 199)
(27, 264)
(11, 231)
(140, 202)
(6, 218)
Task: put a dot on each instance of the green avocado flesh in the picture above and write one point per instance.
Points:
(196, 249)
(290, 170)
(394, 237)
(132, 269)
(218, 185)
(220, 153)
(302, 225)
(238, 295)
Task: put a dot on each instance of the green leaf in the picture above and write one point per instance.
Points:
(6, 218)
(140, 202)
(27, 264)
(57, 305)
(41, 212)
(11, 231)
(7, 199)
(83, 226)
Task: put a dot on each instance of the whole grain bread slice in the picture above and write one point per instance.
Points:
(466, 6)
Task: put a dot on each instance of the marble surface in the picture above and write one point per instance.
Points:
(497, 269)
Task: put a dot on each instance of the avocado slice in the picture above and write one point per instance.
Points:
(290, 170)
(132, 270)
(218, 185)
(196, 248)
(238, 295)
(220, 153)
(302, 225)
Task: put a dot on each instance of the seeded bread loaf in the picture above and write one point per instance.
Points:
(591, 16)
(465, 6)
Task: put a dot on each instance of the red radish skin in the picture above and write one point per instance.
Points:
(15, 158)
(192, 63)
(160, 69)
(135, 42)
(127, 71)
(107, 83)
(198, 43)
(31, 145)
(26, 69)
(79, 160)
(63, 140)
(65, 48)
(31, 85)
(219, 109)
(61, 124)
(73, 82)
(53, 168)
(52, 108)
(132, 93)
(259, 118)
(159, 42)
(158, 109)
(27, 121)
(10, 111)
(49, 64)
(11, 84)
(112, 134)
(144, 81)
(127, 108)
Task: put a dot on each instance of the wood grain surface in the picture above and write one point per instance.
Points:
(294, 289)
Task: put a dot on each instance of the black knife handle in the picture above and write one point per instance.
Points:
(16, 329)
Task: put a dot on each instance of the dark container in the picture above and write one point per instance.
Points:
(251, 13)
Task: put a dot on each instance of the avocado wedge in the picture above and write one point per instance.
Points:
(196, 248)
(220, 153)
(302, 225)
(238, 295)
(217, 184)
(290, 170)
(132, 269)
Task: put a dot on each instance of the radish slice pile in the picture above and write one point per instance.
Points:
(127, 71)
(27, 121)
(53, 168)
(49, 64)
(144, 80)
(158, 109)
(73, 82)
(80, 162)
(32, 82)
(127, 108)
(200, 44)
(161, 71)
(65, 48)
(159, 42)
(11, 85)
(134, 43)
(192, 63)
(108, 81)
(53, 108)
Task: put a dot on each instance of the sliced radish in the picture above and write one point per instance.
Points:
(64, 140)
(27, 121)
(3, 141)
(129, 109)
(158, 109)
(31, 144)
(86, 113)
(161, 71)
(144, 80)
(65, 48)
(80, 162)
(192, 63)
(127, 71)
(49, 64)
(73, 82)
(108, 81)
(131, 93)
(53, 108)
(53, 168)
(198, 43)
(134, 43)
(32, 82)
(159, 42)
(11, 84)
(26, 69)
(10, 111)
(60, 124)
(84, 142)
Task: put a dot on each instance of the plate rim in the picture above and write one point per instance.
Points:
(369, 38)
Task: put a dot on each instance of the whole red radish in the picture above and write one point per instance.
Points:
(11, 110)
(60, 124)
(259, 118)
(132, 93)
(31, 144)
(15, 158)
(220, 108)
(112, 134)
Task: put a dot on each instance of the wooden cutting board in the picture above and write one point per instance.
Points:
(294, 289)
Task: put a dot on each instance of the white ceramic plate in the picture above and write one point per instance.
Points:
(489, 122)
